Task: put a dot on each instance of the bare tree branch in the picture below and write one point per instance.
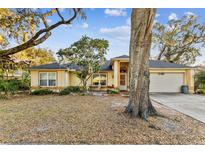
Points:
(58, 12)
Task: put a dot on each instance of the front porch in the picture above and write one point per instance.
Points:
(121, 75)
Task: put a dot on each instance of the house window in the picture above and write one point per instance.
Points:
(47, 79)
(99, 79)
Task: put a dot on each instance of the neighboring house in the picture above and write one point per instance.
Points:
(164, 76)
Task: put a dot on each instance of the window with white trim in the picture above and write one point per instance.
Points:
(47, 79)
(99, 79)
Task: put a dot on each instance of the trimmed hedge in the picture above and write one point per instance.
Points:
(42, 92)
(70, 89)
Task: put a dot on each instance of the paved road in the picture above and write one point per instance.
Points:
(192, 105)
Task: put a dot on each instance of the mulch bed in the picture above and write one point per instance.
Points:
(91, 120)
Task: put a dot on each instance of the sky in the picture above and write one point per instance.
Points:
(112, 25)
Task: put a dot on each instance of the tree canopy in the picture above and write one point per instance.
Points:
(22, 27)
(35, 56)
(180, 40)
(88, 54)
(26, 58)
(200, 79)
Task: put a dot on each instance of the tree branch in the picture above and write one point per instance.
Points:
(35, 40)
(58, 12)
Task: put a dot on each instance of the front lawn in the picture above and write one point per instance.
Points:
(90, 120)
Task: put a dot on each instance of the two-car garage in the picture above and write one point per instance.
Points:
(168, 77)
(166, 82)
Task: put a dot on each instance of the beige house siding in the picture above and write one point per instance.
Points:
(60, 75)
(69, 78)
(34, 78)
(61, 78)
(74, 80)
(110, 78)
(190, 80)
(116, 68)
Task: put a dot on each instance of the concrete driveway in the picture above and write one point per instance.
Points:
(191, 105)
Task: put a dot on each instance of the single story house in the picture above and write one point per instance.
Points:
(164, 76)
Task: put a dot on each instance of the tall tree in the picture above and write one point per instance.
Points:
(179, 40)
(88, 54)
(24, 59)
(35, 56)
(140, 43)
(23, 27)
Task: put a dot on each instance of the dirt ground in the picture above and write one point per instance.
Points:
(91, 120)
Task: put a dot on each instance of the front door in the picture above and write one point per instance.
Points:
(123, 83)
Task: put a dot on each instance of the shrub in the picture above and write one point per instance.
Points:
(199, 80)
(70, 89)
(113, 91)
(4, 86)
(65, 91)
(200, 91)
(7, 86)
(13, 85)
(25, 81)
(42, 92)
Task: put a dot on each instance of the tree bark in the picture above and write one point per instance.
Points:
(140, 44)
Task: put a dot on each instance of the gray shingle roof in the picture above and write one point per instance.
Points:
(108, 66)
(162, 64)
(105, 67)
(123, 56)
(158, 63)
(72, 66)
(49, 66)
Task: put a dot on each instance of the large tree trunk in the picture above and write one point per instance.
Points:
(140, 44)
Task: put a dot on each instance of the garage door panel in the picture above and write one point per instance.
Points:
(166, 82)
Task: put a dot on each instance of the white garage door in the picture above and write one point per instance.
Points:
(166, 82)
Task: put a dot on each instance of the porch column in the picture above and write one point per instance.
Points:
(190, 80)
(67, 78)
(116, 73)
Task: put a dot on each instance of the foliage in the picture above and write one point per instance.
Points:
(9, 66)
(42, 92)
(4, 86)
(179, 41)
(25, 82)
(88, 54)
(9, 86)
(113, 91)
(35, 56)
(200, 80)
(24, 59)
(22, 27)
(70, 89)
(17, 24)
(14, 85)
(200, 91)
